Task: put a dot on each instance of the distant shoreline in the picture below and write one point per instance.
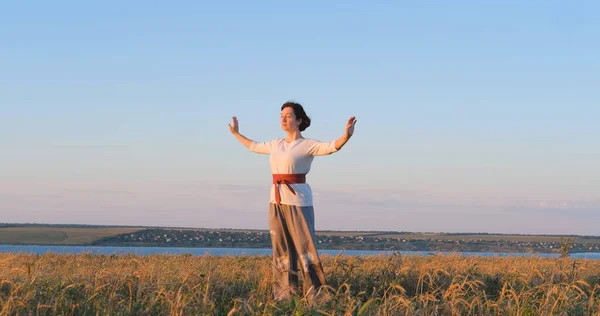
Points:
(141, 236)
(4, 225)
(319, 249)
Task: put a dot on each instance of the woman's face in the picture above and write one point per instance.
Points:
(288, 120)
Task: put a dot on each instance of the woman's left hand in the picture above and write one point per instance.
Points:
(350, 126)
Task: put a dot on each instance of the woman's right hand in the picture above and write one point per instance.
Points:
(233, 127)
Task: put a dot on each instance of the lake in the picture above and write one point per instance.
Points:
(144, 251)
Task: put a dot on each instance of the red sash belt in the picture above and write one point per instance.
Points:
(287, 179)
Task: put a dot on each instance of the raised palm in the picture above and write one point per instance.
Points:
(233, 127)
(350, 126)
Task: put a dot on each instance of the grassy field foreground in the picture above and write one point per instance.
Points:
(87, 284)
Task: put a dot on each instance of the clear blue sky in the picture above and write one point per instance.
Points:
(472, 116)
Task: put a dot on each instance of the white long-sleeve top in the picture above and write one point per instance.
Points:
(295, 157)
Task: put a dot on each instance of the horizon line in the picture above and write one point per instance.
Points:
(4, 225)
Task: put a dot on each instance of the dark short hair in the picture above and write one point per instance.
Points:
(299, 113)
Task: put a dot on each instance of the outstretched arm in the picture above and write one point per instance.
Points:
(234, 129)
(340, 142)
(318, 148)
(259, 148)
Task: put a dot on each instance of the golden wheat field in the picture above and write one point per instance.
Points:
(90, 284)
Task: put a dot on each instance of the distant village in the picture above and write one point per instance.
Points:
(261, 239)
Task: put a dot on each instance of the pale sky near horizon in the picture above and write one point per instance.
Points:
(472, 116)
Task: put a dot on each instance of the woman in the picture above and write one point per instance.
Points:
(291, 214)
